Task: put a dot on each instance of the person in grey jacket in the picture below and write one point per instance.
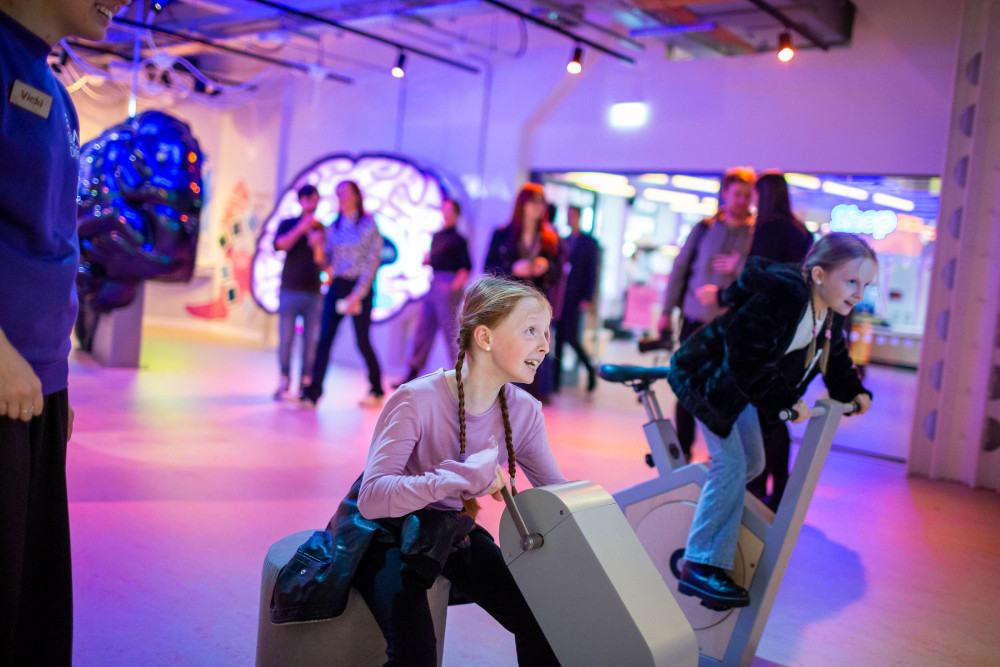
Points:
(711, 259)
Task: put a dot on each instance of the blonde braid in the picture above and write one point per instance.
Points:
(508, 435)
(827, 325)
(471, 506)
(459, 362)
(487, 302)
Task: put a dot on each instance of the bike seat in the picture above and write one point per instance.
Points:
(615, 373)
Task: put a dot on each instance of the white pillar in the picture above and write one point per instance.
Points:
(956, 429)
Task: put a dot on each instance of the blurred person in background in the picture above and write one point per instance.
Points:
(299, 295)
(450, 261)
(781, 237)
(351, 249)
(583, 263)
(529, 250)
(711, 259)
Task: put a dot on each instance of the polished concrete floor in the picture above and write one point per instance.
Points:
(182, 473)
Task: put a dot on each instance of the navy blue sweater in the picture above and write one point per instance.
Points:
(39, 166)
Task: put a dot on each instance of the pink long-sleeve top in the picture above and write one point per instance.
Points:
(413, 461)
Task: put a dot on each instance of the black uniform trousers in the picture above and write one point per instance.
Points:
(36, 587)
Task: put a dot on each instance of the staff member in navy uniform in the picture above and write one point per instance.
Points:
(40, 256)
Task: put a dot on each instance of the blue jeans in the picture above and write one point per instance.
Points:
(736, 459)
(293, 304)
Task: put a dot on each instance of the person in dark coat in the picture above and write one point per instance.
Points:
(529, 250)
(781, 237)
(760, 356)
(778, 235)
(583, 254)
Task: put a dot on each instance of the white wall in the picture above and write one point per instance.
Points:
(878, 106)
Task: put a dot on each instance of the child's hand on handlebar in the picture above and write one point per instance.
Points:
(864, 402)
(802, 412)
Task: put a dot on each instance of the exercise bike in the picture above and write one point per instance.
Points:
(661, 511)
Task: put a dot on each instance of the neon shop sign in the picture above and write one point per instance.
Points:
(849, 218)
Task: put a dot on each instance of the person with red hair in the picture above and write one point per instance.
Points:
(529, 250)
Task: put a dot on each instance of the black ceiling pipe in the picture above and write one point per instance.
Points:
(553, 27)
(340, 26)
(790, 24)
(229, 49)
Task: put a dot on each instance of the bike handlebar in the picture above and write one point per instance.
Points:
(791, 414)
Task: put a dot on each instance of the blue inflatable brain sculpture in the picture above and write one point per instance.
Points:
(140, 199)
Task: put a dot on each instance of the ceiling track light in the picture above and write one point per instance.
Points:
(398, 70)
(575, 65)
(785, 50)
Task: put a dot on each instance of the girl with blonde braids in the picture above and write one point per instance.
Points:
(436, 449)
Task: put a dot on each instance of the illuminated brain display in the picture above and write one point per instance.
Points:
(405, 201)
(139, 207)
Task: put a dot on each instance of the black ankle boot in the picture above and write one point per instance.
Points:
(715, 588)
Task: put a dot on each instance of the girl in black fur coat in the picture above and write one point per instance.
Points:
(760, 356)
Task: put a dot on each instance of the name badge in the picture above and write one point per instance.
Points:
(32, 99)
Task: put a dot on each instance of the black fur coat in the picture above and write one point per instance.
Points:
(739, 358)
